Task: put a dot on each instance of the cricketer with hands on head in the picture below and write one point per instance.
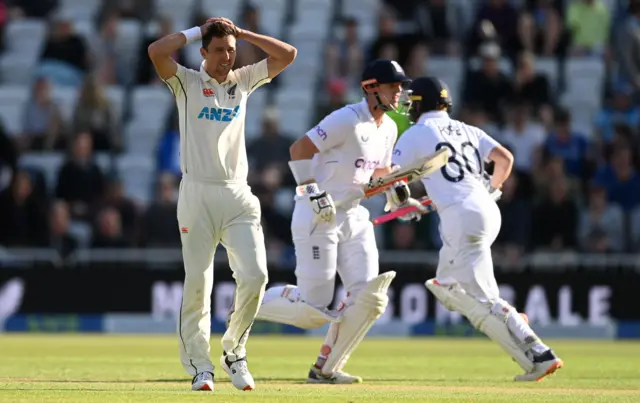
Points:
(334, 160)
(469, 224)
(215, 203)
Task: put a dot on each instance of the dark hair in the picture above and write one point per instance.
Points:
(562, 115)
(217, 30)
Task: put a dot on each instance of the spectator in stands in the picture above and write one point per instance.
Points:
(108, 64)
(277, 226)
(532, 87)
(8, 158)
(65, 58)
(108, 230)
(554, 168)
(271, 148)
(23, 213)
(439, 21)
(602, 227)
(571, 146)
(345, 54)
(475, 115)
(541, 28)
(620, 111)
(500, 18)
(555, 220)
(628, 48)
(114, 197)
(514, 237)
(133, 9)
(160, 222)
(337, 92)
(248, 53)
(488, 87)
(42, 127)
(388, 40)
(168, 153)
(415, 65)
(59, 237)
(389, 51)
(524, 137)
(31, 8)
(80, 181)
(146, 74)
(620, 179)
(93, 114)
(589, 22)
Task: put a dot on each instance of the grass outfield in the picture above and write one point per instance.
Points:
(109, 368)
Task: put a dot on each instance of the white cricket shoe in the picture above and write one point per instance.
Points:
(545, 364)
(203, 381)
(239, 373)
(337, 378)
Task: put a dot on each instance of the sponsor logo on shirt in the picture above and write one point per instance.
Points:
(321, 133)
(208, 92)
(232, 91)
(366, 164)
(219, 114)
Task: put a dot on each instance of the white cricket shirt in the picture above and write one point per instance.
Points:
(351, 146)
(469, 148)
(212, 117)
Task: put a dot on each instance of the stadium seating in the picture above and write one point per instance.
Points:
(142, 112)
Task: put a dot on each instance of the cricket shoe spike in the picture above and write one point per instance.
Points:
(203, 382)
(239, 373)
(337, 378)
(544, 364)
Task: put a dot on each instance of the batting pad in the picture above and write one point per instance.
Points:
(454, 298)
(357, 319)
(283, 305)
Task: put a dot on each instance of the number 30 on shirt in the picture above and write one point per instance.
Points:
(461, 161)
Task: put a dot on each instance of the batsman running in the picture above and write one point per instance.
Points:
(215, 203)
(469, 224)
(336, 160)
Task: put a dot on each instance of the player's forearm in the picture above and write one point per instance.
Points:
(167, 45)
(273, 47)
(503, 160)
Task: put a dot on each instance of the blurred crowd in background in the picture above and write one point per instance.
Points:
(555, 81)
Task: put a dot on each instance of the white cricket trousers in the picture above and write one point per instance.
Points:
(468, 229)
(347, 247)
(209, 214)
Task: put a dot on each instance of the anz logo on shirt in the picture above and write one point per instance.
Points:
(219, 114)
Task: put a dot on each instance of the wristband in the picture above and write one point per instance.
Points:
(301, 170)
(192, 34)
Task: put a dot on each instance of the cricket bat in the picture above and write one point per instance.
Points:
(425, 201)
(409, 174)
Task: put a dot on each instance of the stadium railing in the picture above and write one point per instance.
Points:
(170, 258)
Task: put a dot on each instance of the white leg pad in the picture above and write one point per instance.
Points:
(357, 319)
(284, 305)
(454, 298)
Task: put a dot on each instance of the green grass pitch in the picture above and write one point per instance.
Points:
(110, 368)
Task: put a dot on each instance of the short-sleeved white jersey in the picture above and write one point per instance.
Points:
(351, 146)
(469, 149)
(212, 118)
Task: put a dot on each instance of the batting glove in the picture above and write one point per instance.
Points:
(321, 203)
